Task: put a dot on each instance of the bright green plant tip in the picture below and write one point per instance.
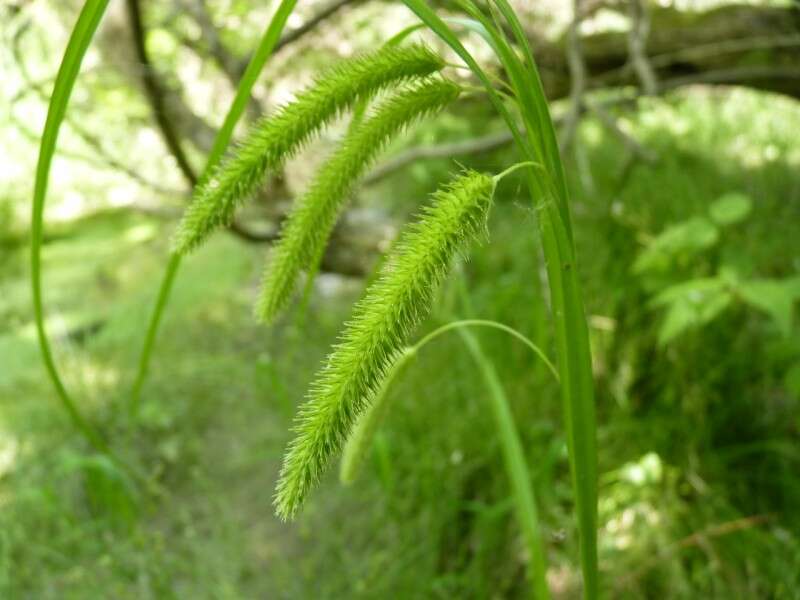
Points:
(308, 228)
(382, 321)
(278, 136)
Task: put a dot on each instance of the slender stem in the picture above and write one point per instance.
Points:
(516, 466)
(519, 165)
(152, 329)
(494, 325)
(260, 57)
(80, 38)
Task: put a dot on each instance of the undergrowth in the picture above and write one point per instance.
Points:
(132, 460)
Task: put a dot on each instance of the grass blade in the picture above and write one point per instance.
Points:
(440, 28)
(79, 41)
(549, 196)
(516, 465)
(264, 50)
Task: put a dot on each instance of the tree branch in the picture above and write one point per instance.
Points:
(478, 145)
(637, 46)
(155, 92)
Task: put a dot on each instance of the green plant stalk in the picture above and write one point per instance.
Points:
(516, 465)
(549, 196)
(492, 325)
(79, 41)
(255, 66)
(360, 439)
(363, 433)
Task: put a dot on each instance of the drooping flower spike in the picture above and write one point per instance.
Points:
(277, 137)
(308, 227)
(382, 321)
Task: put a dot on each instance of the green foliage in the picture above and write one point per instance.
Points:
(393, 305)
(548, 193)
(775, 297)
(306, 230)
(693, 303)
(276, 137)
(110, 493)
(730, 208)
(698, 457)
(679, 242)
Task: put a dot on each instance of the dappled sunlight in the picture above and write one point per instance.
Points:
(633, 502)
(639, 355)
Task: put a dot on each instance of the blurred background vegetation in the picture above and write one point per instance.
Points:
(678, 122)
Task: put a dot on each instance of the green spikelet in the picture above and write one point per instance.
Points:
(359, 441)
(275, 138)
(308, 228)
(382, 321)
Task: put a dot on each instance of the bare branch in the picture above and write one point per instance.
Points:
(474, 146)
(325, 13)
(633, 146)
(577, 71)
(155, 92)
(637, 46)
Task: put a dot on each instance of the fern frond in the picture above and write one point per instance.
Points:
(275, 138)
(382, 321)
(308, 227)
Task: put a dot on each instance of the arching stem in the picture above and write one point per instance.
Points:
(263, 52)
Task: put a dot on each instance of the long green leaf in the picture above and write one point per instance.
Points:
(362, 436)
(79, 40)
(264, 50)
(568, 311)
(516, 465)
(440, 28)
(549, 195)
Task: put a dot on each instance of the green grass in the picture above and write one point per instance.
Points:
(440, 523)
(548, 192)
(695, 436)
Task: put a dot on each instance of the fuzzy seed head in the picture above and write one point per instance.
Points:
(277, 137)
(398, 300)
(360, 439)
(307, 229)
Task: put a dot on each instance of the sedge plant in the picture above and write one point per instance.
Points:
(361, 438)
(374, 341)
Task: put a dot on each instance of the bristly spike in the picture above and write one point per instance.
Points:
(307, 229)
(361, 437)
(382, 321)
(277, 137)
